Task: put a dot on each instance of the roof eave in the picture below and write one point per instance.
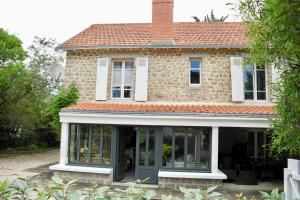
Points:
(200, 114)
(204, 46)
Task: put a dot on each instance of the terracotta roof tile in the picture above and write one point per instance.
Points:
(224, 109)
(185, 33)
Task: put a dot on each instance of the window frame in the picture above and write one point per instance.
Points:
(200, 72)
(101, 142)
(122, 86)
(256, 132)
(254, 82)
(199, 135)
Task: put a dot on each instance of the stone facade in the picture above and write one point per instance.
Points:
(175, 183)
(168, 73)
(81, 177)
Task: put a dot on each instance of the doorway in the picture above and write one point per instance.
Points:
(136, 154)
(125, 154)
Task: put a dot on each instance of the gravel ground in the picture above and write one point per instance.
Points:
(14, 166)
(36, 166)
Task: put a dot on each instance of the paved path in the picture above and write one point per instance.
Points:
(13, 166)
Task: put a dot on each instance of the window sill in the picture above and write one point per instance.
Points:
(194, 86)
(195, 175)
(96, 170)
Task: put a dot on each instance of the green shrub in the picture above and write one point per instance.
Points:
(61, 190)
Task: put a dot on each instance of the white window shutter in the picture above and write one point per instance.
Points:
(141, 83)
(275, 74)
(275, 79)
(237, 79)
(101, 81)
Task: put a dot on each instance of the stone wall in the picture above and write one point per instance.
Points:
(175, 183)
(168, 73)
(81, 177)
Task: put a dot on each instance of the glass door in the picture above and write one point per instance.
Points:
(146, 154)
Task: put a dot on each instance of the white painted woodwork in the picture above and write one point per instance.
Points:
(141, 83)
(101, 80)
(237, 79)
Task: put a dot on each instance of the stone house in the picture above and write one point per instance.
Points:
(171, 102)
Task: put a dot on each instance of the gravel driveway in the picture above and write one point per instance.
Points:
(13, 166)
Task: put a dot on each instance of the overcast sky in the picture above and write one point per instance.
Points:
(61, 19)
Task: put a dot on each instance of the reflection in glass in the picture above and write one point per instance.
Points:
(142, 147)
(151, 150)
(205, 149)
(167, 147)
(95, 144)
(248, 82)
(106, 149)
(179, 149)
(84, 144)
(73, 148)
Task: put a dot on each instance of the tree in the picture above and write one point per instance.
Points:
(26, 88)
(211, 18)
(274, 38)
(11, 49)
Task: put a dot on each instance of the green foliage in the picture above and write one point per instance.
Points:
(11, 49)
(199, 194)
(61, 190)
(26, 90)
(64, 98)
(274, 27)
(211, 18)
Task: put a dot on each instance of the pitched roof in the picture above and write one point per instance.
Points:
(144, 108)
(226, 34)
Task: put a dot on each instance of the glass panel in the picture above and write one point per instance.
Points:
(191, 160)
(205, 148)
(195, 64)
(260, 144)
(117, 77)
(251, 144)
(179, 148)
(127, 92)
(261, 79)
(128, 65)
(195, 76)
(116, 92)
(106, 155)
(128, 78)
(84, 144)
(249, 95)
(248, 82)
(261, 83)
(142, 146)
(151, 150)
(95, 145)
(261, 95)
(73, 143)
(167, 147)
(118, 65)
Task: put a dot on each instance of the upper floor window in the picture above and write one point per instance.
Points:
(255, 83)
(195, 71)
(122, 76)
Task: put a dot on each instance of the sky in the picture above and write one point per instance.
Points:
(61, 19)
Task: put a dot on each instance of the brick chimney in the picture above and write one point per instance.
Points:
(162, 22)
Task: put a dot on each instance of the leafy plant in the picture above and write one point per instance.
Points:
(274, 195)
(200, 194)
(274, 39)
(21, 189)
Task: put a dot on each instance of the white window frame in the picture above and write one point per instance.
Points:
(256, 132)
(255, 85)
(200, 72)
(122, 78)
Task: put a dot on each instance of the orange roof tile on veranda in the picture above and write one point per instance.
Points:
(139, 34)
(220, 109)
